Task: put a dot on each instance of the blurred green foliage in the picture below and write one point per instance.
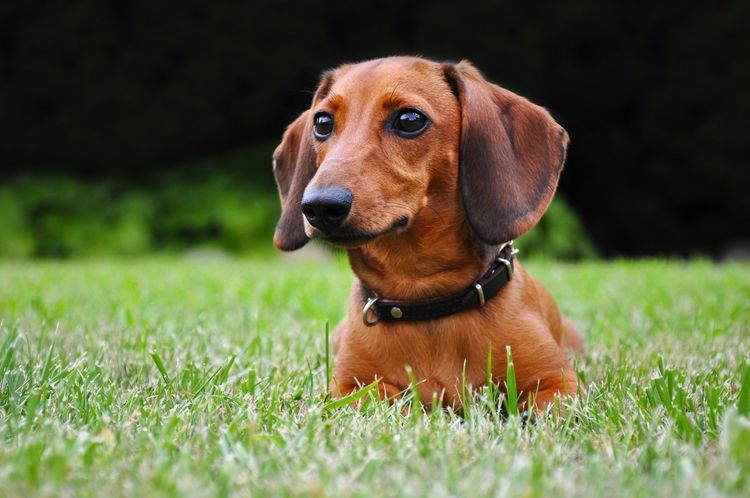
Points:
(559, 235)
(64, 217)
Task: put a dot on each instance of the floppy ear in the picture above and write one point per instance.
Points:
(293, 168)
(294, 165)
(512, 152)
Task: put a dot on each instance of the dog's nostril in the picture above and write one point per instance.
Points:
(335, 212)
(309, 212)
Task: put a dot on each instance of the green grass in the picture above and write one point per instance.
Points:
(167, 377)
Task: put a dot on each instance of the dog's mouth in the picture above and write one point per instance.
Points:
(347, 237)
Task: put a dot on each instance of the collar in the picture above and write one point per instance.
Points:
(489, 284)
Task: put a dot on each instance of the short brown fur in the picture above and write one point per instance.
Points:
(483, 173)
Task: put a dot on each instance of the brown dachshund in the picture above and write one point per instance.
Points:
(424, 171)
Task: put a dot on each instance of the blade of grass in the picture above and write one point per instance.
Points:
(160, 366)
(47, 369)
(416, 405)
(488, 369)
(10, 351)
(511, 400)
(224, 375)
(351, 398)
(205, 383)
(743, 402)
(491, 387)
(467, 398)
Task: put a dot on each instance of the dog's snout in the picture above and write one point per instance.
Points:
(326, 208)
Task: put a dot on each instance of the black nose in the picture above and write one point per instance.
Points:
(326, 208)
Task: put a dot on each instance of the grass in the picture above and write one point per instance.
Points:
(166, 377)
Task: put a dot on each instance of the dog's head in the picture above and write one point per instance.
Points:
(382, 135)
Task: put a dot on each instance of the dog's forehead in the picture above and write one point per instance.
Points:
(393, 74)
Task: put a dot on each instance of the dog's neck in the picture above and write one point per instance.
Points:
(436, 256)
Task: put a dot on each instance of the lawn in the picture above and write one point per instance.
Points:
(205, 377)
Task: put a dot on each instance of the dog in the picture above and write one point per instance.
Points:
(425, 172)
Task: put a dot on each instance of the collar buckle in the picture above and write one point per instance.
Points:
(371, 301)
(507, 261)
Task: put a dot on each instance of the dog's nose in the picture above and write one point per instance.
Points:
(326, 208)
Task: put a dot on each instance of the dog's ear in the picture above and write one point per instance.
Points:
(511, 155)
(293, 168)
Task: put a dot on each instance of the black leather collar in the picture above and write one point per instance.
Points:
(499, 273)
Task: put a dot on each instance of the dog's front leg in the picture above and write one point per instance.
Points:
(557, 384)
(385, 390)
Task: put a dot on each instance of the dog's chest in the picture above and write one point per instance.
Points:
(445, 361)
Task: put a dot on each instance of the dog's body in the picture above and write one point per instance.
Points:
(421, 170)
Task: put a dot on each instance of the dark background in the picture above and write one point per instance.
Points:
(655, 95)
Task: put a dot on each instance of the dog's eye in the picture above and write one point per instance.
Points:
(322, 125)
(410, 123)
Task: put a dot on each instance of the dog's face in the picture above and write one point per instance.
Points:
(382, 135)
(382, 131)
